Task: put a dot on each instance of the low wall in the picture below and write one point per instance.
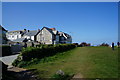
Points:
(16, 48)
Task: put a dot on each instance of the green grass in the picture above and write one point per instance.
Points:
(91, 62)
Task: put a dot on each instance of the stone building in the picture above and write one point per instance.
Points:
(52, 36)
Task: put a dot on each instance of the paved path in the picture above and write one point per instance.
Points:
(8, 59)
(18, 73)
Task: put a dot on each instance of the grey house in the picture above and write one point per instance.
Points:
(45, 36)
(64, 38)
(52, 36)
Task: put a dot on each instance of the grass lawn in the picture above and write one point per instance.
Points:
(90, 62)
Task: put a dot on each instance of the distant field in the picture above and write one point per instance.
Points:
(90, 62)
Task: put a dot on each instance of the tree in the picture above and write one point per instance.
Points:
(104, 44)
(84, 44)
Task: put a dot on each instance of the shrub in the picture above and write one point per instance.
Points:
(44, 51)
(41, 45)
(17, 61)
(76, 44)
(84, 44)
(30, 53)
(104, 44)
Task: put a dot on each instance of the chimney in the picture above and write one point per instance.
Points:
(53, 29)
(24, 29)
(38, 29)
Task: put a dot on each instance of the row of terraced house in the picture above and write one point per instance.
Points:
(44, 36)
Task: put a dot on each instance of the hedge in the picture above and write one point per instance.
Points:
(44, 51)
(30, 54)
(40, 52)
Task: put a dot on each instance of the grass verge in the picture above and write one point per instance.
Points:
(91, 62)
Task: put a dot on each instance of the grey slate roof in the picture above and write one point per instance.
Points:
(19, 40)
(67, 35)
(31, 33)
(48, 30)
(54, 32)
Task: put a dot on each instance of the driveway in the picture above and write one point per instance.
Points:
(8, 59)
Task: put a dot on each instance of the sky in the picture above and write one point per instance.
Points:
(91, 22)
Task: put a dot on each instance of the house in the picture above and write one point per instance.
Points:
(52, 36)
(3, 38)
(21, 40)
(64, 38)
(31, 34)
(13, 35)
(19, 35)
(55, 35)
(45, 36)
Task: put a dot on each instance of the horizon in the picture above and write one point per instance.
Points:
(91, 22)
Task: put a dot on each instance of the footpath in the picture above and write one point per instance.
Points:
(18, 73)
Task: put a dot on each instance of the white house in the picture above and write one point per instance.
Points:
(31, 34)
(12, 35)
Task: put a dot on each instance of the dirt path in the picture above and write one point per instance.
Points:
(23, 74)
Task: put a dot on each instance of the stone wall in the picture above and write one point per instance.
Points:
(17, 47)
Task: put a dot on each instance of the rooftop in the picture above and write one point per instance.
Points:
(31, 33)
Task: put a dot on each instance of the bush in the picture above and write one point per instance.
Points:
(84, 44)
(17, 61)
(41, 45)
(6, 50)
(20, 63)
(44, 51)
(30, 53)
(104, 44)
(76, 44)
